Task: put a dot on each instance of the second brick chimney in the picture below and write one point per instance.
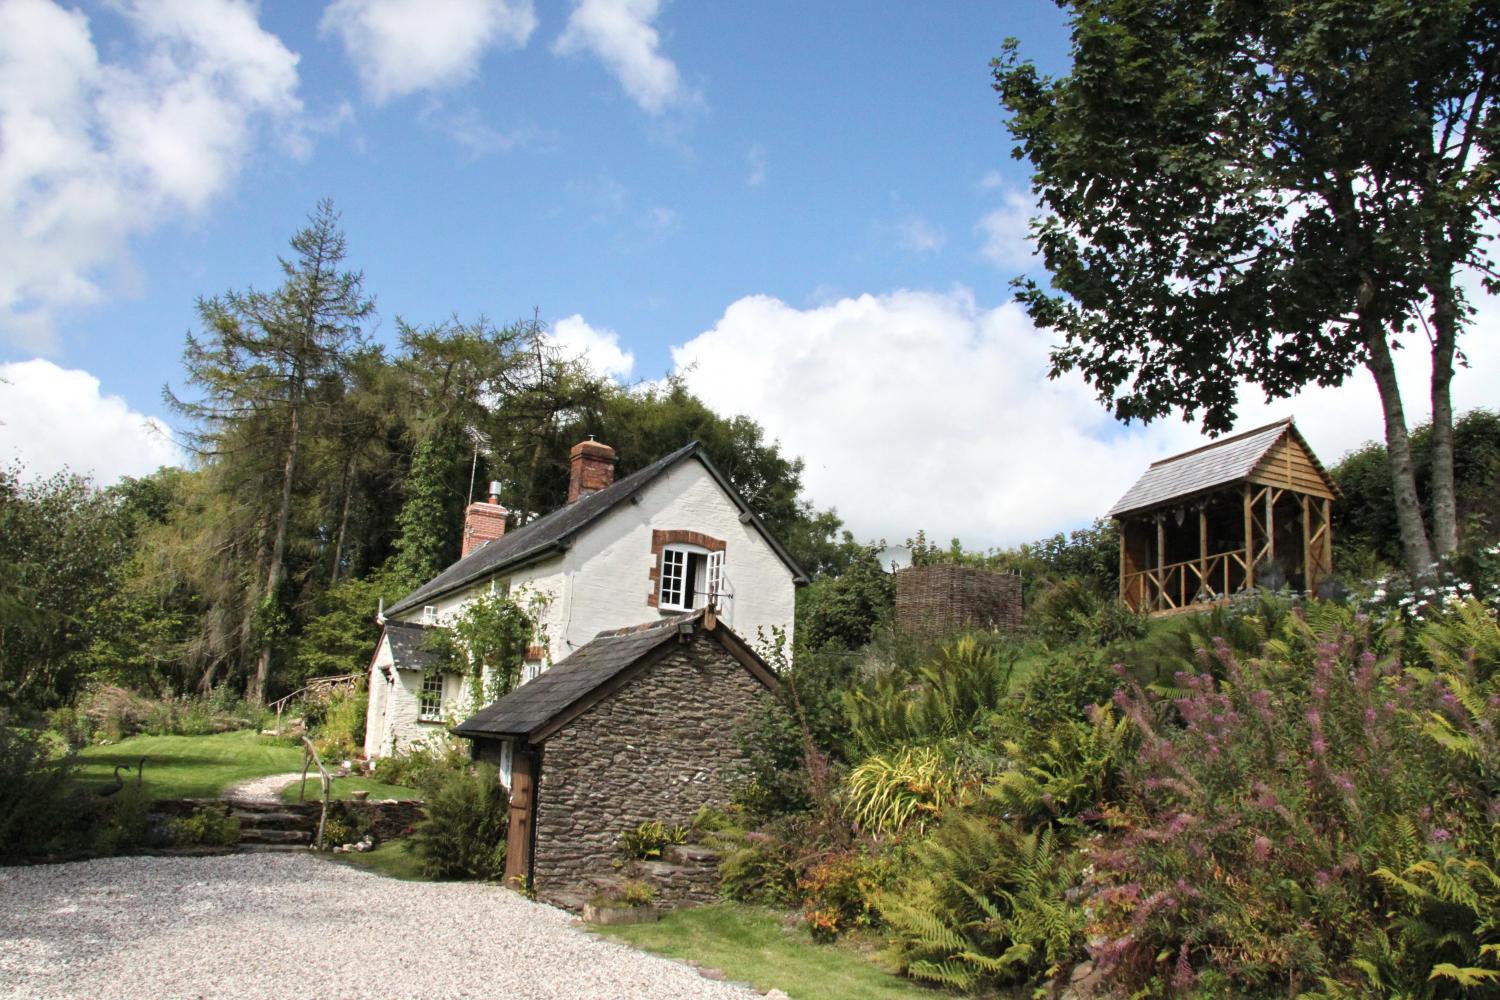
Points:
(483, 522)
(593, 468)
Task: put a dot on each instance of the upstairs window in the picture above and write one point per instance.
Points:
(691, 577)
(429, 615)
(430, 700)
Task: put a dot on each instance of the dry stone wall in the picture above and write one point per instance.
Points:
(932, 600)
(660, 748)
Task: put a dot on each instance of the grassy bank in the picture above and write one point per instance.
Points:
(752, 945)
(390, 859)
(189, 766)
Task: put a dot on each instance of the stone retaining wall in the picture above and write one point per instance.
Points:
(933, 600)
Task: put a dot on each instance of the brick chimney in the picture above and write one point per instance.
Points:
(483, 522)
(593, 468)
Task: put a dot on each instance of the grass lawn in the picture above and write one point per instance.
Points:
(751, 945)
(343, 788)
(390, 859)
(189, 766)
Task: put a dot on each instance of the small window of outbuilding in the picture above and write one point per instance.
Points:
(430, 700)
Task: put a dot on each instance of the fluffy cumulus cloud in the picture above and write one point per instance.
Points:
(620, 34)
(1003, 233)
(599, 348)
(54, 418)
(925, 410)
(400, 47)
(97, 150)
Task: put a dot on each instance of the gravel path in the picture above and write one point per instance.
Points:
(264, 791)
(284, 926)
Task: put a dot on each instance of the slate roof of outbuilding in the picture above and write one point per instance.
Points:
(539, 700)
(1224, 461)
(552, 532)
(407, 649)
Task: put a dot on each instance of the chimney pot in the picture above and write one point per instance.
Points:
(495, 492)
(593, 468)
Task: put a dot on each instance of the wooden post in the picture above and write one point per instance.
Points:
(1124, 558)
(522, 816)
(1203, 550)
(1249, 539)
(1271, 524)
(1161, 559)
(1309, 583)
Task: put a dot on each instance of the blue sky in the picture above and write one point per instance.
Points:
(808, 208)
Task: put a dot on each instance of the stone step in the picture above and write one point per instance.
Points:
(274, 848)
(263, 836)
(272, 820)
(692, 854)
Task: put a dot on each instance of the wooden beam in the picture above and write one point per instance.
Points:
(1203, 549)
(518, 837)
(1161, 554)
(1249, 539)
(1124, 559)
(1328, 537)
(1309, 583)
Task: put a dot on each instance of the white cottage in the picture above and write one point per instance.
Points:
(669, 539)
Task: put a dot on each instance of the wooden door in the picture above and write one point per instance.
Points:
(522, 816)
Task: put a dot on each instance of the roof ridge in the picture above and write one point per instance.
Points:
(1220, 442)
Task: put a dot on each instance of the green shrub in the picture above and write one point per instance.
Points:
(74, 727)
(341, 733)
(39, 809)
(761, 870)
(985, 903)
(913, 785)
(1072, 610)
(839, 892)
(947, 699)
(425, 767)
(208, 826)
(123, 822)
(648, 840)
(463, 835)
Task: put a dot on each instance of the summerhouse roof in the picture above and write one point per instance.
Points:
(1227, 460)
(555, 531)
(537, 708)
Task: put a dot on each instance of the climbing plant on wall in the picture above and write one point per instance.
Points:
(486, 641)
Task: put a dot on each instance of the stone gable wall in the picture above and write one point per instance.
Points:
(660, 748)
(932, 600)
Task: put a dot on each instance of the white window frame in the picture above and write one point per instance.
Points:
(507, 761)
(432, 684)
(671, 592)
(429, 615)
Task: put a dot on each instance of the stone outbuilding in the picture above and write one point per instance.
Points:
(640, 724)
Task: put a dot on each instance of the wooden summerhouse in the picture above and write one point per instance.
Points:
(1204, 525)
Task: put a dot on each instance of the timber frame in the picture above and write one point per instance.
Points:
(1199, 527)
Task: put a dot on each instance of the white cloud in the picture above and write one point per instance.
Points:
(923, 410)
(755, 159)
(991, 180)
(54, 418)
(400, 47)
(96, 152)
(920, 236)
(597, 346)
(620, 34)
(1004, 231)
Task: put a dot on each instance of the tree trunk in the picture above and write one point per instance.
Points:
(1415, 549)
(1445, 323)
(338, 546)
(257, 691)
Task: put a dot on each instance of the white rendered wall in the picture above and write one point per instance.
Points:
(376, 725)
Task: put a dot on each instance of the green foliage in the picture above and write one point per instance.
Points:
(64, 543)
(761, 870)
(426, 766)
(1072, 610)
(946, 699)
(985, 904)
(341, 631)
(1364, 519)
(207, 826)
(910, 786)
(840, 891)
(486, 641)
(1090, 556)
(341, 733)
(647, 841)
(844, 611)
(463, 835)
(431, 515)
(1068, 774)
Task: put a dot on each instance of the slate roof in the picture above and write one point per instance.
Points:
(1224, 461)
(608, 654)
(407, 650)
(553, 532)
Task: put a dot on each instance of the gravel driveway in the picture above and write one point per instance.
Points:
(286, 925)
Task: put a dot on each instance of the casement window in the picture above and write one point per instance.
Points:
(531, 670)
(430, 700)
(691, 577)
(429, 615)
